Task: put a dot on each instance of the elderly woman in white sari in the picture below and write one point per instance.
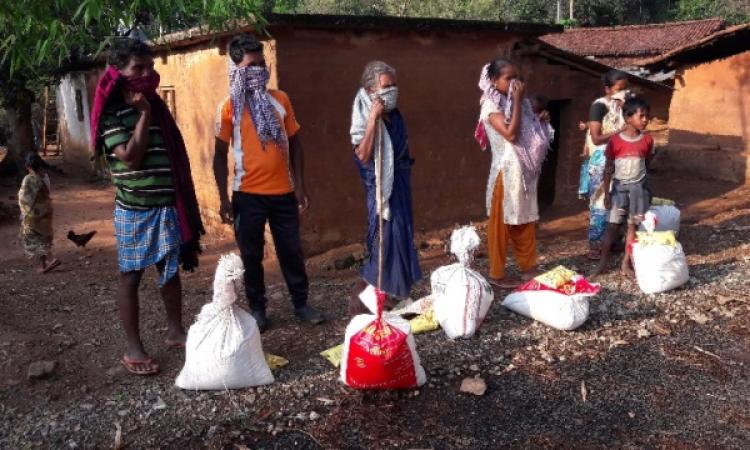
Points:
(519, 139)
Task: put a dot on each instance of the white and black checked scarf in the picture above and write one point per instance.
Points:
(247, 85)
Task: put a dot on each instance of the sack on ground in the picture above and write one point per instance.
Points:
(659, 262)
(558, 298)
(461, 296)
(667, 218)
(223, 348)
(380, 353)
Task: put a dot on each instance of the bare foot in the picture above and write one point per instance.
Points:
(599, 271)
(50, 266)
(628, 271)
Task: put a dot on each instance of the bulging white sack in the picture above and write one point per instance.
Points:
(660, 268)
(461, 296)
(223, 348)
(667, 219)
(558, 298)
(552, 308)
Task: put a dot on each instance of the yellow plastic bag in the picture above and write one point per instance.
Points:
(656, 238)
(557, 277)
(333, 354)
(274, 362)
(424, 323)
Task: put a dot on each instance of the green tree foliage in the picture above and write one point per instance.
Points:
(38, 37)
(586, 12)
(734, 11)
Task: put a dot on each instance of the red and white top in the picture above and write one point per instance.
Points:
(629, 155)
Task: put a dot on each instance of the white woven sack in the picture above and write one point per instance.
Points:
(361, 321)
(461, 296)
(552, 308)
(223, 348)
(660, 268)
(667, 219)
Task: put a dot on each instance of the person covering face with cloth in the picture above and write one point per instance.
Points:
(268, 184)
(375, 112)
(157, 220)
(519, 139)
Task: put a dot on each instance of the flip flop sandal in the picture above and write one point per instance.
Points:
(175, 344)
(51, 266)
(132, 366)
(504, 283)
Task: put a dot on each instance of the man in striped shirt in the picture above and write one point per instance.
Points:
(132, 127)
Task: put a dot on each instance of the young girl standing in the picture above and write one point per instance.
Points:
(605, 121)
(36, 214)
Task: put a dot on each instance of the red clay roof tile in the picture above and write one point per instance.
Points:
(633, 41)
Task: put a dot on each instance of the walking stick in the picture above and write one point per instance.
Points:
(379, 200)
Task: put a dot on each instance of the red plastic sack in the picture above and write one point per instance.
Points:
(379, 358)
(379, 353)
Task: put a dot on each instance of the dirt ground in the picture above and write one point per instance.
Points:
(646, 371)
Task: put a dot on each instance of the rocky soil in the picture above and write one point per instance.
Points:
(646, 371)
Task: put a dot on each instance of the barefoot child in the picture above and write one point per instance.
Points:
(36, 214)
(628, 154)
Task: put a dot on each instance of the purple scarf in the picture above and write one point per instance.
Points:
(247, 85)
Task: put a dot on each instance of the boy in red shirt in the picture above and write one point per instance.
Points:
(628, 154)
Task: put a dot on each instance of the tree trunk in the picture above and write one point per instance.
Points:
(21, 140)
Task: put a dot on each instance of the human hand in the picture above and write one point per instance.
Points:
(544, 116)
(582, 126)
(377, 108)
(519, 89)
(138, 101)
(226, 213)
(302, 200)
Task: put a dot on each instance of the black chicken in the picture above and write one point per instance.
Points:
(81, 239)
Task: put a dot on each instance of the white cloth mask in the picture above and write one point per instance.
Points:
(389, 96)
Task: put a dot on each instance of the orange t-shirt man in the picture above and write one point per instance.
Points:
(258, 170)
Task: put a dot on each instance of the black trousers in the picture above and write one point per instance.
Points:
(251, 211)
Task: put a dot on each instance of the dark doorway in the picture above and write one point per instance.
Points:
(547, 179)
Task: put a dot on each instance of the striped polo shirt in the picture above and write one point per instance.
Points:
(150, 185)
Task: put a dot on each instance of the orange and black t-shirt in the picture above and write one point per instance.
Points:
(258, 170)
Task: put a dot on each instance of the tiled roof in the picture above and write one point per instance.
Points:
(633, 41)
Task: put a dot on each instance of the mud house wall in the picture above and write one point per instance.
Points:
(710, 119)
(437, 75)
(74, 116)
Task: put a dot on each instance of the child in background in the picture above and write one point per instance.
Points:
(539, 105)
(583, 178)
(36, 214)
(627, 156)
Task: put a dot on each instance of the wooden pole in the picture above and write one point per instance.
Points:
(572, 7)
(44, 120)
(379, 199)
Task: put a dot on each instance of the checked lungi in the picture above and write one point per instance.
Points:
(147, 237)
